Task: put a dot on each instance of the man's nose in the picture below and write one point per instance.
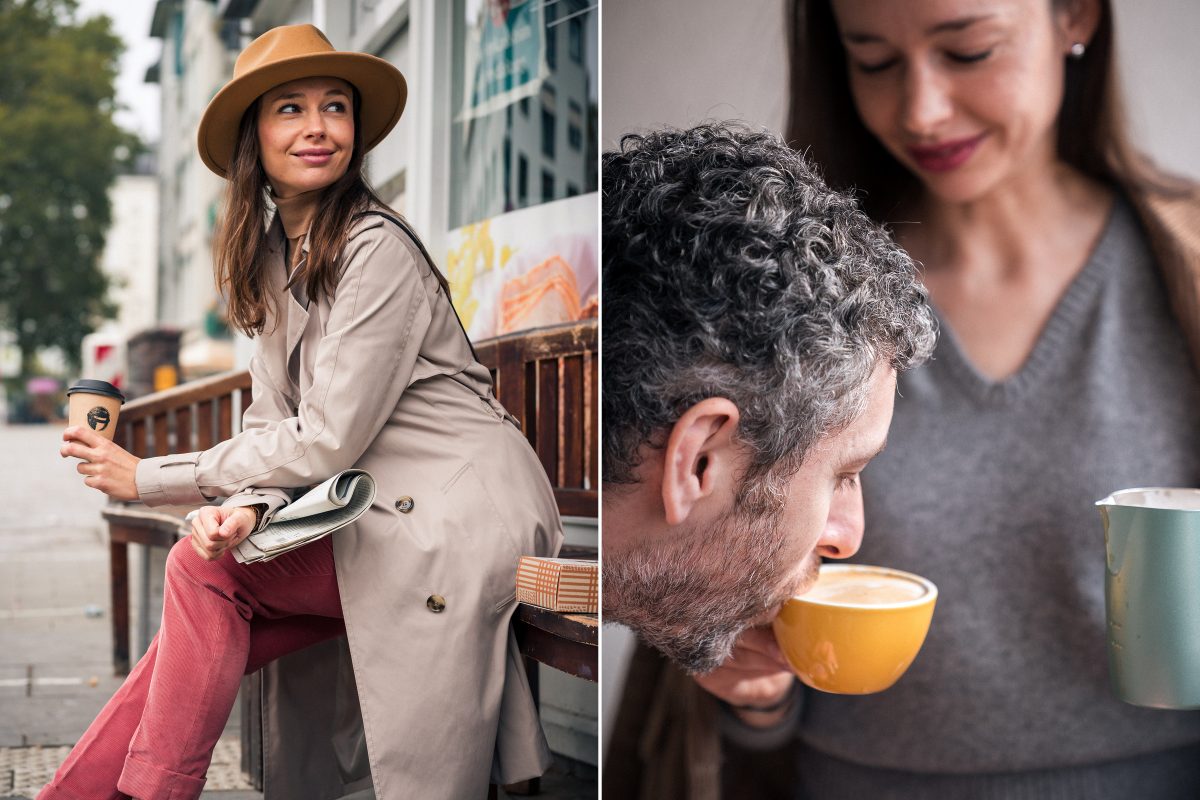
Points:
(926, 103)
(844, 529)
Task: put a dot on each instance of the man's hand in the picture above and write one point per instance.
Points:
(215, 529)
(108, 466)
(755, 675)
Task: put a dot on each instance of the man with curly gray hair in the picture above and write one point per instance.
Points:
(754, 322)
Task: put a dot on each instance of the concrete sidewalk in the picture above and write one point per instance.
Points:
(55, 629)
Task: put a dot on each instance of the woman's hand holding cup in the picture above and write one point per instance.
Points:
(107, 466)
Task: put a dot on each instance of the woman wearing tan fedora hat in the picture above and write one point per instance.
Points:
(360, 362)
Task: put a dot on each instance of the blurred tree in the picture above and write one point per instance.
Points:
(60, 151)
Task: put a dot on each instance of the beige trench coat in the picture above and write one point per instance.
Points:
(379, 376)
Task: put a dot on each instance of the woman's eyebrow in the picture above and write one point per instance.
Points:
(958, 24)
(295, 95)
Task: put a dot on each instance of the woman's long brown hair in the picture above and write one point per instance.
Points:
(240, 246)
(1092, 132)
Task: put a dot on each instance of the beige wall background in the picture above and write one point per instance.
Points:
(680, 62)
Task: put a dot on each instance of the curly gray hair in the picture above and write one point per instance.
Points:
(731, 270)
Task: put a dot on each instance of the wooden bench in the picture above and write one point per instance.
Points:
(547, 378)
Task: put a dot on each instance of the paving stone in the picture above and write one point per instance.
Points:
(28, 769)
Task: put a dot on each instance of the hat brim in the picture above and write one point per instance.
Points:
(381, 87)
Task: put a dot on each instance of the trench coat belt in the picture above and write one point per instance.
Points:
(500, 410)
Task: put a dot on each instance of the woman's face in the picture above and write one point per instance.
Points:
(964, 93)
(306, 134)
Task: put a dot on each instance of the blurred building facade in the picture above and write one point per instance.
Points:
(197, 58)
(131, 247)
(130, 260)
(494, 163)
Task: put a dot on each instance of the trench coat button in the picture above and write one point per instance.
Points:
(435, 603)
(405, 504)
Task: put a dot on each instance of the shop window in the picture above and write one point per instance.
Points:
(522, 181)
(508, 187)
(575, 39)
(551, 36)
(575, 126)
(547, 133)
(499, 61)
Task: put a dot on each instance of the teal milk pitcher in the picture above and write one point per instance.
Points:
(1152, 595)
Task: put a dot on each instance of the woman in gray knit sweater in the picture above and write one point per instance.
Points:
(1065, 274)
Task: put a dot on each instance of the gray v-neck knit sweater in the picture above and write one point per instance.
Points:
(988, 489)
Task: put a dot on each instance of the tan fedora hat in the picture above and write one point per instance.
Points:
(288, 53)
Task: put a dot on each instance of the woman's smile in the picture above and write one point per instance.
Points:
(316, 156)
(947, 155)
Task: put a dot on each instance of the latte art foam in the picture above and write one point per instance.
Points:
(863, 588)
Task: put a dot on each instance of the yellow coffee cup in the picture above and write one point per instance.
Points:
(857, 629)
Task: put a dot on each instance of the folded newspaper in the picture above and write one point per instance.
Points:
(319, 512)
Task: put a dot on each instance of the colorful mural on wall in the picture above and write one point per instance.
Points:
(526, 268)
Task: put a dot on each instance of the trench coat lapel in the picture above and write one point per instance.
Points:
(297, 304)
(297, 321)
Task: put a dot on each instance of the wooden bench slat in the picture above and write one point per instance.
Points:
(204, 424)
(140, 446)
(224, 417)
(184, 436)
(546, 388)
(591, 416)
(571, 422)
(162, 439)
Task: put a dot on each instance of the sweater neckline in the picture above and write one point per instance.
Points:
(1060, 328)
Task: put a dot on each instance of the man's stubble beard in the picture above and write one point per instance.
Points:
(692, 596)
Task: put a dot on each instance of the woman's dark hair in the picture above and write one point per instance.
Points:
(1092, 132)
(241, 239)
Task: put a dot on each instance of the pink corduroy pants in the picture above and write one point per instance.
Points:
(155, 737)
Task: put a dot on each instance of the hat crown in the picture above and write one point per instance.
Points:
(280, 44)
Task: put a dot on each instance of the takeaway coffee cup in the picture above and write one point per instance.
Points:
(858, 629)
(1152, 594)
(96, 405)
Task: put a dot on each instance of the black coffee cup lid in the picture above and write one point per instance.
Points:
(96, 387)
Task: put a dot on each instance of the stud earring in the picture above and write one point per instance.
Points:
(1077, 50)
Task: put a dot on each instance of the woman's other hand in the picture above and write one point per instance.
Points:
(106, 465)
(216, 529)
(755, 676)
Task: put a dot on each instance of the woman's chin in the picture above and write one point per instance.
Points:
(308, 181)
(957, 189)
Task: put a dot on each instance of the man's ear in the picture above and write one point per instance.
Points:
(701, 456)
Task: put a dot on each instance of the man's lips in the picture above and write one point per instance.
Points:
(316, 157)
(945, 156)
(799, 585)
